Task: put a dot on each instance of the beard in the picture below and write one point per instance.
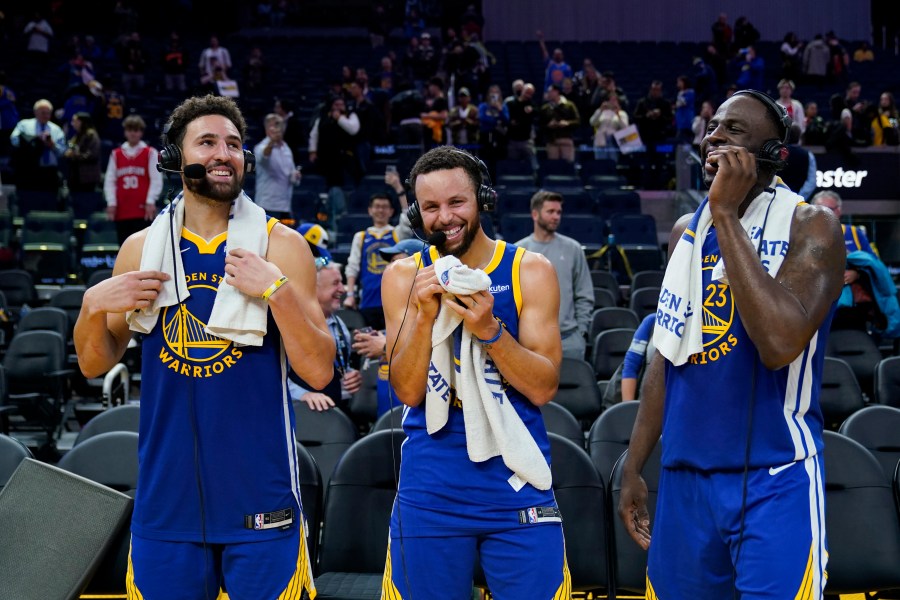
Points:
(547, 226)
(217, 192)
(469, 234)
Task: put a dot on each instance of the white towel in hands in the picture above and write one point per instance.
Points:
(493, 427)
(235, 316)
(679, 324)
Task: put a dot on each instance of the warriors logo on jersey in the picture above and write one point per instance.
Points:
(187, 348)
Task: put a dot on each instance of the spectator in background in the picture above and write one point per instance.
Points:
(38, 144)
(842, 139)
(700, 123)
(839, 67)
(791, 56)
(586, 82)
(39, 35)
(722, 35)
(609, 88)
(83, 155)
(346, 380)
(471, 22)
(276, 173)
(134, 64)
(293, 127)
(684, 109)
(706, 82)
(858, 107)
(653, 116)
(379, 25)
(255, 69)
(522, 113)
(365, 264)
(864, 53)
(463, 121)
(413, 25)
(800, 172)
(214, 51)
(437, 111)
(425, 60)
(132, 182)
(606, 121)
(576, 292)
(815, 131)
(174, 63)
(555, 67)
(793, 107)
(816, 60)
(559, 121)
(332, 148)
(745, 34)
(752, 69)
(493, 126)
(638, 355)
(370, 124)
(886, 122)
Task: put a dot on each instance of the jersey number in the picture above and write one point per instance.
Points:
(716, 295)
(130, 182)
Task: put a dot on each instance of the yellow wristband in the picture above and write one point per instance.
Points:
(274, 287)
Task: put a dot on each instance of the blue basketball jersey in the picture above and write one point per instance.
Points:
(213, 416)
(373, 265)
(708, 398)
(441, 489)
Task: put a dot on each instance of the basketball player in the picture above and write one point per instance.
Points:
(448, 507)
(218, 501)
(740, 508)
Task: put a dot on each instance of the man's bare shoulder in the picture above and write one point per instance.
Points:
(404, 269)
(129, 257)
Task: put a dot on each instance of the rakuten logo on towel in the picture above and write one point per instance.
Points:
(839, 178)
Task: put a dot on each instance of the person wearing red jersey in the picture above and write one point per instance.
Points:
(132, 183)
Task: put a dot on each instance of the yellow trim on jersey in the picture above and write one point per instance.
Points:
(499, 248)
(378, 236)
(131, 590)
(204, 246)
(650, 594)
(690, 233)
(270, 225)
(302, 578)
(516, 281)
(564, 592)
(433, 254)
(854, 231)
(389, 591)
(806, 592)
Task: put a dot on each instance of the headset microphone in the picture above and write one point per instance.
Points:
(193, 171)
(437, 238)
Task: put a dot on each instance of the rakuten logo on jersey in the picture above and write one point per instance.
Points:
(840, 178)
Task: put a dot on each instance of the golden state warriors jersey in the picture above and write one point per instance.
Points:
(214, 417)
(373, 265)
(707, 405)
(441, 489)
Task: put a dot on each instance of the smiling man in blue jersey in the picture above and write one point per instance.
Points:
(449, 507)
(218, 500)
(741, 330)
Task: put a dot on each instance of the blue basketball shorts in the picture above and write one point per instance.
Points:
(279, 568)
(526, 562)
(700, 549)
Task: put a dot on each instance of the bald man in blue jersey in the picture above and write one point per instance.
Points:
(740, 511)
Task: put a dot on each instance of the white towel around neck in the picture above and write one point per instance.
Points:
(678, 332)
(493, 427)
(235, 316)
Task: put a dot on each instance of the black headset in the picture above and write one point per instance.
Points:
(773, 151)
(170, 159)
(486, 196)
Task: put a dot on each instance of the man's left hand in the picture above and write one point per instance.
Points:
(250, 273)
(477, 313)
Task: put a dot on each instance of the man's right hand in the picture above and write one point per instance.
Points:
(317, 401)
(129, 291)
(428, 292)
(111, 213)
(633, 508)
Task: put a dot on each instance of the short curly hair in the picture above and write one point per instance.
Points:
(201, 106)
(445, 158)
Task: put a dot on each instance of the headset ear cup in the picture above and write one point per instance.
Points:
(414, 216)
(487, 198)
(775, 153)
(170, 157)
